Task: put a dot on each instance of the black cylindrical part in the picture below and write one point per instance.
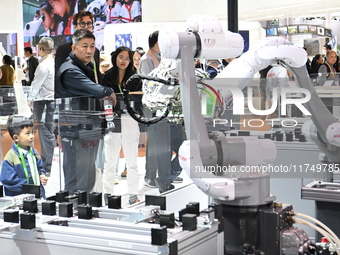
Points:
(49, 208)
(240, 228)
(233, 16)
(30, 206)
(114, 202)
(279, 136)
(289, 137)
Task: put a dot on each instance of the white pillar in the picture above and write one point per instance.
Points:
(328, 20)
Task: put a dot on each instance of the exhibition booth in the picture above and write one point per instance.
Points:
(258, 154)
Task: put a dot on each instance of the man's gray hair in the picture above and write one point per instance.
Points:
(47, 44)
(81, 34)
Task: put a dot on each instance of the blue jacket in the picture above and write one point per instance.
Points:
(12, 174)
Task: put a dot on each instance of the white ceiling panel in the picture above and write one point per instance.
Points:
(259, 10)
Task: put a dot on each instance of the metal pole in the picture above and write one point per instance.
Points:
(233, 15)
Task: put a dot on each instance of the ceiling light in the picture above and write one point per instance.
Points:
(266, 18)
(329, 9)
(286, 7)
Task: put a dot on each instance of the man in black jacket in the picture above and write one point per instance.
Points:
(32, 64)
(75, 78)
(80, 20)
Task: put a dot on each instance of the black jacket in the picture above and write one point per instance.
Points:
(63, 52)
(110, 80)
(74, 79)
(32, 63)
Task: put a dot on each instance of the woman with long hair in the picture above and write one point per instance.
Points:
(317, 61)
(126, 132)
(137, 55)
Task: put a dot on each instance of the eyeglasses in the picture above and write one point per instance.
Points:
(83, 24)
(121, 58)
(43, 18)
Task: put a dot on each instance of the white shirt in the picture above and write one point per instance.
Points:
(148, 62)
(112, 14)
(129, 12)
(42, 87)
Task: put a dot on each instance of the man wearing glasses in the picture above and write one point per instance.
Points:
(82, 19)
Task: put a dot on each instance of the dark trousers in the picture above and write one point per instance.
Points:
(45, 129)
(79, 163)
(80, 132)
(164, 138)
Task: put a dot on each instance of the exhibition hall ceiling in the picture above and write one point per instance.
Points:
(259, 10)
(268, 9)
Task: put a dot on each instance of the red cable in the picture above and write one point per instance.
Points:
(215, 92)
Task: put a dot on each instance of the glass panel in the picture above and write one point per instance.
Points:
(94, 151)
(8, 107)
(80, 125)
(71, 142)
(79, 144)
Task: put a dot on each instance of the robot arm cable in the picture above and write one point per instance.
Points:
(135, 81)
(214, 91)
(334, 241)
(317, 222)
(209, 93)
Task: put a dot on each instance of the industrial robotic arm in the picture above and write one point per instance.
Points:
(200, 41)
(324, 129)
(208, 159)
(214, 161)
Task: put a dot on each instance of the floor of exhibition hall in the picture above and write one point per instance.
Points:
(121, 188)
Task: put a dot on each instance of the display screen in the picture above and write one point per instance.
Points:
(245, 35)
(124, 40)
(328, 32)
(292, 30)
(282, 30)
(272, 23)
(303, 29)
(321, 31)
(312, 29)
(271, 31)
(54, 18)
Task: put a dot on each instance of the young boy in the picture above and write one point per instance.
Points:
(22, 163)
